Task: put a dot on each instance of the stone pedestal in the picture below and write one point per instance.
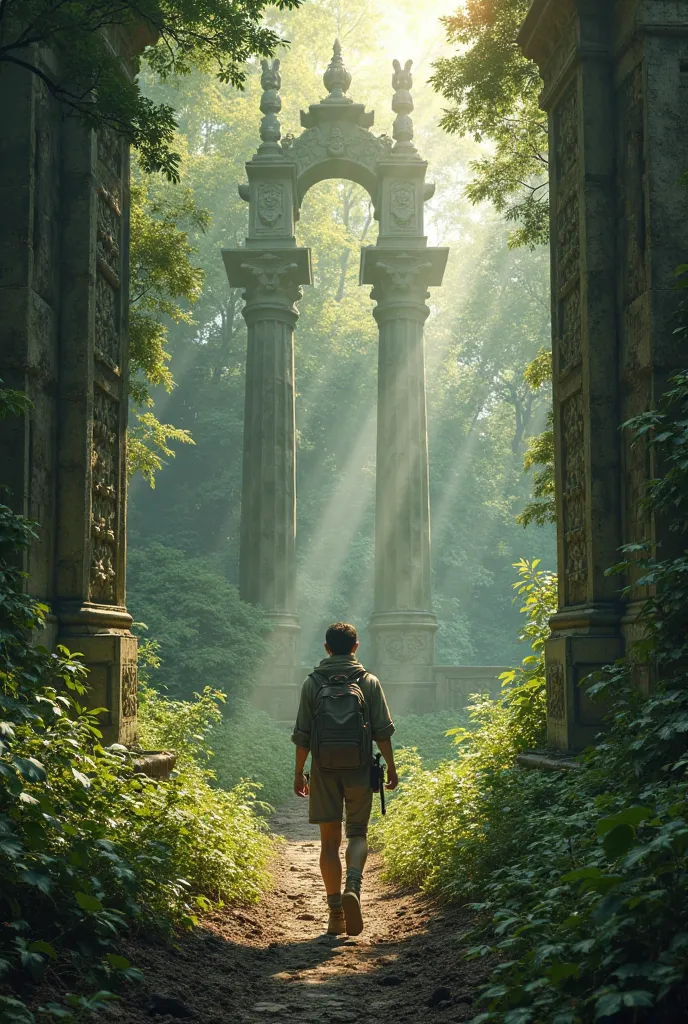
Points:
(63, 340)
(403, 624)
(614, 91)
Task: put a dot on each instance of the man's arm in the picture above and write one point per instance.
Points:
(385, 748)
(300, 783)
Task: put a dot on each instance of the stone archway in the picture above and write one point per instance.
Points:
(271, 269)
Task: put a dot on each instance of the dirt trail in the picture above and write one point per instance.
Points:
(274, 961)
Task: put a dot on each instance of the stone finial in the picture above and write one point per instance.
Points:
(402, 105)
(270, 104)
(336, 78)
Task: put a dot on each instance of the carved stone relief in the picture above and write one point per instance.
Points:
(270, 203)
(556, 693)
(632, 185)
(403, 270)
(108, 263)
(575, 540)
(269, 270)
(563, 33)
(351, 141)
(570, 340)
(130, 687)
(406, 648)
(104, 497)
(566, 132)
(403, 203)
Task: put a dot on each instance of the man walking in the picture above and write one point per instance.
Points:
(342, 711)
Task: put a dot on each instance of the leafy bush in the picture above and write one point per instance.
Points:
(582, 876)
(207, 635)
(428, 734)
(449, 826)
(250, 745)
(88, 849)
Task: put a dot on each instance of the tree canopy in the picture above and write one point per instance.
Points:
(175, 35)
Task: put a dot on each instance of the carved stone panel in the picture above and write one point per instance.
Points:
(632, 185)
(105, 454)
(402, 198)
(108, 278)
(405, 648)
(345, 140)
(556, 691)
(270, 207)
(567, 231)
(573, 486)
(130, 687)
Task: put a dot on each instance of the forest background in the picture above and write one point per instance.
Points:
(488, 322)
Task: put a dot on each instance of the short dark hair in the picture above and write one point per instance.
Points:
(341, 638)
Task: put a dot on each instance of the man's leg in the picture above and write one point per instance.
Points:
(331, 871)
(359, 802)
(330, 862)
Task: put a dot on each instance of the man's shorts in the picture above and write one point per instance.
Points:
(333, 792)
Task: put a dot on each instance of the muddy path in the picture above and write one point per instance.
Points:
(273, 961)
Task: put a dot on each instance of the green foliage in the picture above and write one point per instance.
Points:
(89, 849)
(429, 735)
(540, 451)
(494, 94)
(178, 35)
(453, 824)
(581, 876)
(250, 745)
(207, 635)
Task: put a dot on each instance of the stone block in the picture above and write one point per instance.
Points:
(112, 680)
(573, 717)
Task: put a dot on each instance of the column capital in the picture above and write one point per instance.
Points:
(271, 278)
(401, 278)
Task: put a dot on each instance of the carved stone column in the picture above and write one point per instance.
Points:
(272, 285)
(612, 73)
(63, 340)
(403, 623)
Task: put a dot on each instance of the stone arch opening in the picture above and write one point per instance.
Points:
(272, 270)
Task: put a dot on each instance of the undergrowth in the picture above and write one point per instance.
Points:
(579, 879)
(88, 849)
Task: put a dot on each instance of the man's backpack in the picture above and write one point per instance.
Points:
(340, 734)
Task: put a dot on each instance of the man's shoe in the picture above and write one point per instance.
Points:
(351, 905)
(337, 922)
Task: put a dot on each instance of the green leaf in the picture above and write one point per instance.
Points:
(607, 1005)
(638, 997)
(619, 841)
(38, 879)
(81, 778)
(629, 816)
(39, 946)
(120, 963)
(88, 902)
(563, 971)
(29, 768)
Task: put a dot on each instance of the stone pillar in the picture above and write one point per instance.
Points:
(63, 340)
(612, 73)
(403, 623)
(271, 281)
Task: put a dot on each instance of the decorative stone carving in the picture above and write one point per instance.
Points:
(107, 340)
(566, 133)
(406, 648)
(336, 79)
(404, 270)
(270, 203)
(403, 203)
(110, 151)
(270, 105)
(633, 242)
(556, 691)
(575, 542)
(346, 140)
(104, 497)
(570, 342)
(402, 105)
(130, 687)
(269, 270)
